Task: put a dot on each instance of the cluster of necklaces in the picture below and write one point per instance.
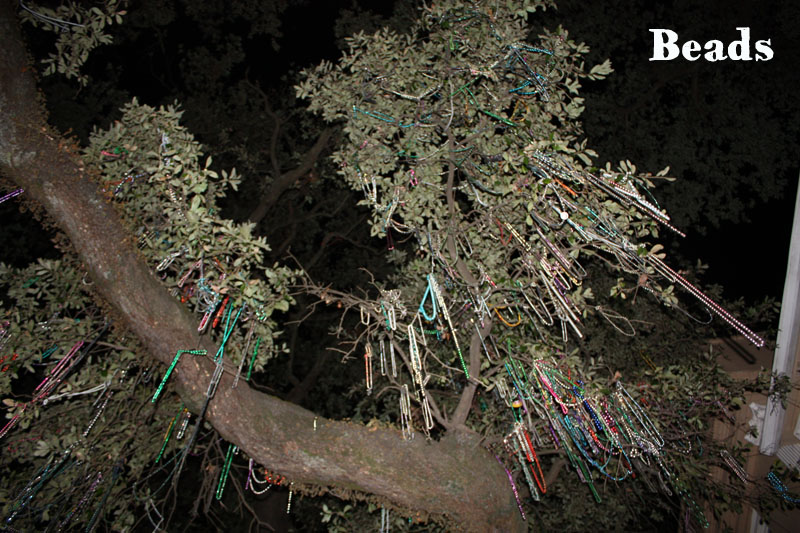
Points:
(552, 212)
(541, 219)
(195, 281)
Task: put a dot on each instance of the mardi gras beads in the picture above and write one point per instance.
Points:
(171, 367)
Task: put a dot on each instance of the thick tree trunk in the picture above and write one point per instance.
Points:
(451, 478)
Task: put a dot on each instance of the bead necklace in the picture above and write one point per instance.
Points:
(226, 467)
(443, 306)
(289, 502)
(563, 310)
(734, 465)
(115, 473)
(167, 435)
(600, 467)
(385, 523)
(184, 424)
(536, 309)
(526, 472)
(368, 368)
(513, 487)
(383, 356)
(698, 512)
(12, 194)
(427, 417)
(391, 354)
(711, 304)
(525, 443)
(778, 485)
(98, 413)
(252, 481)
(170, 369)
(641, 416)
(414, 355)
(405, 413)
(76, 510)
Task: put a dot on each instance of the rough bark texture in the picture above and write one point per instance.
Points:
(453, 478)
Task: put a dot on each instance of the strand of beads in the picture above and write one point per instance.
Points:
(735, 467)
(513, 487)
(778, 485)
(171, 367)
(252, 481)
(11, 195)
(405, 413)
(289, 502)
(76, 510)
(247, 340)
(168, 434)
(184, 424)
(385, 523)
(115, 472)
(226, 467)
(98, 413)
(368, 368)
(443, 306)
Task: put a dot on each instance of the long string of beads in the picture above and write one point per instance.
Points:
(778, 485)
(711, 304)
(226, 467)
(734, 465)
(172, 367)
(443, 306)
(698, 512)
(513, 487)
(525, 443)
(252, 480)
(405, 413)
(524, 467)
(47, 385)
(247, 340)
(368, 368)
(393, 361)
(385, 523)
(116, 471)
(413, 354)
(227, 332)
(75, 510)
(98, 413)
(11, 195)
(184, 424)
(29, 491)
(289, 502)
(167, 435)
(641, 416)
(253, 359)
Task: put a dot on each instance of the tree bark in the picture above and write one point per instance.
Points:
(453, 479)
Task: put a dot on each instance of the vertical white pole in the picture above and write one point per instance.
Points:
(788, 330)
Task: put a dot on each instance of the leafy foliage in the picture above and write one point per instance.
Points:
(152, 168)
(80, 30)
(466, 144)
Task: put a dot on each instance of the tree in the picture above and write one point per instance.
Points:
(470, 145)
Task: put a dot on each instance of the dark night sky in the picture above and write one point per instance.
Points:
(748, 259)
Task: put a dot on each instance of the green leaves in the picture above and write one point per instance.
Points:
(80, 30)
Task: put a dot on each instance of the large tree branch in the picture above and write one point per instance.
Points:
(464, 406)
(282, 182)
(451, 478)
